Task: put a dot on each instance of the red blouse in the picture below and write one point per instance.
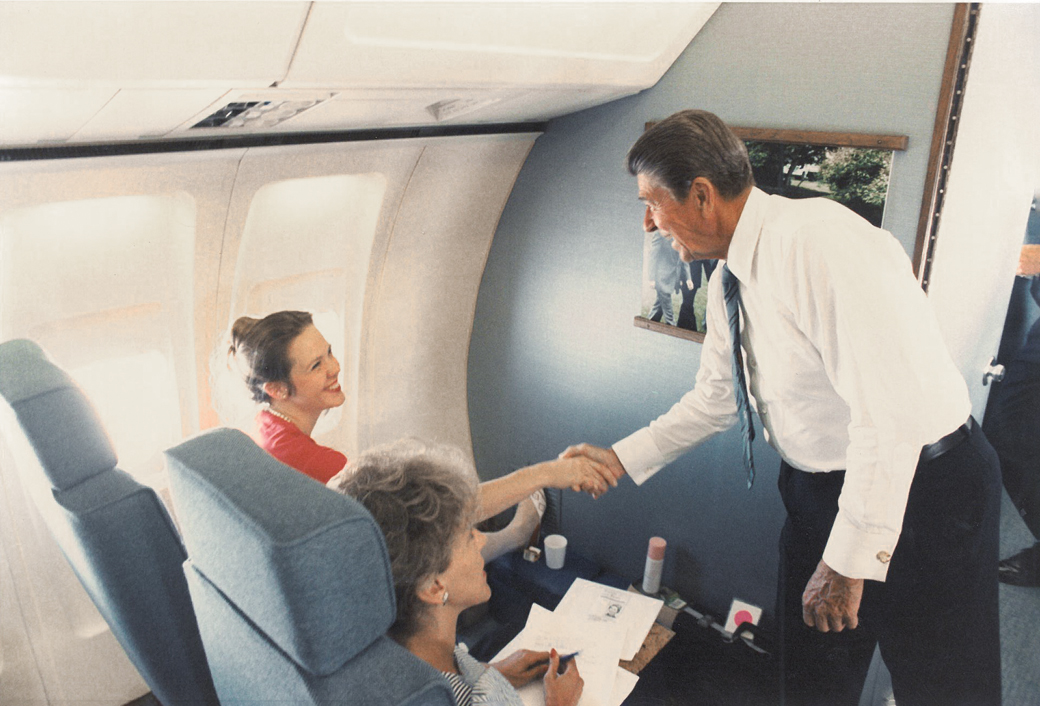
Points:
(285, 441)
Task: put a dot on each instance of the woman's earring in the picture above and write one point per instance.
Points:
(444, 598)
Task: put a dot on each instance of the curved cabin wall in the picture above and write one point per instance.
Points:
(129, 270)
(422, 298)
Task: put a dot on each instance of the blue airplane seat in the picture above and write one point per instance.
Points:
(291, 582)
(115, 532)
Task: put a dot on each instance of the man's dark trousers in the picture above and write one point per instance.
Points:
(936, 616)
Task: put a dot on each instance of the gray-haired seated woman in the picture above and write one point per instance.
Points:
(424, 499)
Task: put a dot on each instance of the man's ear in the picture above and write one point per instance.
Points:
(703, 191)
(432, 592)
(276, 390)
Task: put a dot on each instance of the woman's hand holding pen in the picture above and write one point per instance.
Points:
(523, 666)
(562, 689)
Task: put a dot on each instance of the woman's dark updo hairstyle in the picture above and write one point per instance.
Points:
(261, 348)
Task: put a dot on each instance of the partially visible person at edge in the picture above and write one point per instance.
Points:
(892, 497)
(290, 370)
(425, 501)
(1013, 420)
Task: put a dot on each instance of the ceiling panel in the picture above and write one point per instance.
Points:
(146, 113)
(129, 44)
(28, 116)
(98, 71)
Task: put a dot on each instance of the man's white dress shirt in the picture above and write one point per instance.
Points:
(846, 367)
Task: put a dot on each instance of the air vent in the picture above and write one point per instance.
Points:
(255, 114)
(454, 107)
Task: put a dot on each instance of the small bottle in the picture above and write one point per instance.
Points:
(654, 563)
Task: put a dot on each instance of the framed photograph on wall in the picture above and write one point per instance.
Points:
(851, 168)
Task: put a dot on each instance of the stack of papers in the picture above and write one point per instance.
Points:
(604, 625)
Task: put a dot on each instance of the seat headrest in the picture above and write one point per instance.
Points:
(306, 565)
(57, 418)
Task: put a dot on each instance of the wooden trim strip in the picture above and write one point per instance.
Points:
(955, 73)
(816, 137)
(825, 139)
(645, 323)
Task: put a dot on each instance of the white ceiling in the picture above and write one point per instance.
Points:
(91, 72)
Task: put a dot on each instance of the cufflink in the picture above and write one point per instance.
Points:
(884, 557)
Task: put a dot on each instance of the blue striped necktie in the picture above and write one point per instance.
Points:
(731, 293)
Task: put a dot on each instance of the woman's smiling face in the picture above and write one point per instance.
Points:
(315, 372)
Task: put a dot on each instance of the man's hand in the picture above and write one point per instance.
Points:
(523, 666)
(1029, 261)
(831, 601)
(604, 458)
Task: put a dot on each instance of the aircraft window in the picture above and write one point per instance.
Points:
(136, 398)
(308, 225)
(106, 287)
(307, 244)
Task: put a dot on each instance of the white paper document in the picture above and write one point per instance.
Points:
(599, 648)
(630, 612)
(624, 683)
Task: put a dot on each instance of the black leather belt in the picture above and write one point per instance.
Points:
(934, 451)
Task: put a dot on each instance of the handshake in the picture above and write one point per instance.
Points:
(585, 468)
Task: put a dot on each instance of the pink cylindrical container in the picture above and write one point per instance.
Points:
(654, 564)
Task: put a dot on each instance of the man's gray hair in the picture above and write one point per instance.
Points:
(422, 496)
(691, 144)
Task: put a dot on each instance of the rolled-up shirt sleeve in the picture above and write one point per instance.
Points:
(883, 353)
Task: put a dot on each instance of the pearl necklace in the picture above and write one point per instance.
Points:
(278, 414)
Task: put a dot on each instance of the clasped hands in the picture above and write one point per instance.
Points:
(588, 468)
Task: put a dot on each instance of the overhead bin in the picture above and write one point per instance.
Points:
(114, 71)
(492, 44)
(147, 44)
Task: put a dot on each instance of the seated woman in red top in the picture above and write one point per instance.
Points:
(289, 367)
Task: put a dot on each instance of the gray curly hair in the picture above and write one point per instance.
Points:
(422, 496)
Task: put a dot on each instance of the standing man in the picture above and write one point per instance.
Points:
(892, 491)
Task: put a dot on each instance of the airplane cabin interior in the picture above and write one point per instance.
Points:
(443, 186)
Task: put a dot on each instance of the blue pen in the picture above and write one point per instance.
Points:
(564, 659)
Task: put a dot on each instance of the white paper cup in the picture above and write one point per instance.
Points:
(555, 550)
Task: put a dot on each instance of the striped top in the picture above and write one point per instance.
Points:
(462, 691)
(477, 684)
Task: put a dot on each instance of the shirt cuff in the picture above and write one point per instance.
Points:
(856, 554)
(639, 455)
